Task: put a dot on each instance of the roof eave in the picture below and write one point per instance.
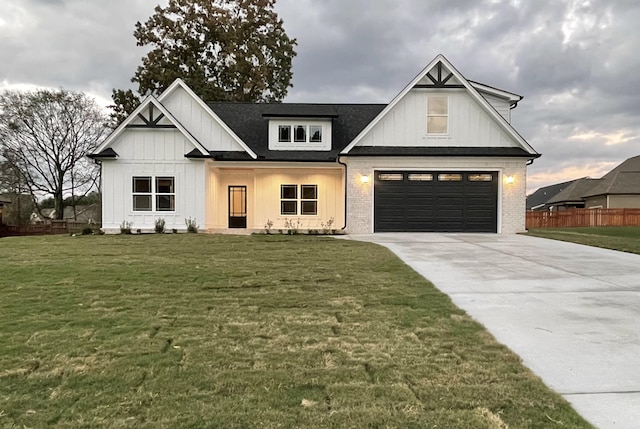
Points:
(457, 155)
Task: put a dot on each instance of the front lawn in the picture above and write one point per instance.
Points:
(202, 331)
(624, 238)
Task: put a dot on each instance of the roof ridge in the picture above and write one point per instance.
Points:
(249, 103)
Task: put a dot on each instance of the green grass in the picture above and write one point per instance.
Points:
(624, 238)
(201, 331)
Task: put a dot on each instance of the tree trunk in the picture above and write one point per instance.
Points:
(59, 205)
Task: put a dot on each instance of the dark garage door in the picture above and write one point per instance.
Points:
(435, 201)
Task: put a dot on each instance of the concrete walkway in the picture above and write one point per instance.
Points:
(571, 312)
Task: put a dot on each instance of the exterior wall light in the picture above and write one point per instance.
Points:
(364, 179)
(509, 180)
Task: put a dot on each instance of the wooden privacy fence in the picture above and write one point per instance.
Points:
(49, 227)
(583, 217)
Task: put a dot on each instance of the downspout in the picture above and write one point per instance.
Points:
(345, 192)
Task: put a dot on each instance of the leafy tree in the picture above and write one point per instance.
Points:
(225, 50)
(46, 135)
(125, 102)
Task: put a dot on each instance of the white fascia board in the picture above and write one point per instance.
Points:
(123, 125)
(392, 104)
(143, 105)
(500, 93)
(472, 91)
(180, 83)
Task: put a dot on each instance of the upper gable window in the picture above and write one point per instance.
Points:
(299, 134)
(437, 114)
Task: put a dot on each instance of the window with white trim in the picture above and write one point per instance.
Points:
(437, 114)
(284, 133)
(288, 199)
(299, 134)
(154, 193)
(309, 200)
(304, 202)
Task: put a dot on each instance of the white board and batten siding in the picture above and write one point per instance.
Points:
(200, 123)
(502, 106)
(152, 153)
(406, 124)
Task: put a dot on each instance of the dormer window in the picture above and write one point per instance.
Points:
(284, 133)
(299, 134)
(315, 133)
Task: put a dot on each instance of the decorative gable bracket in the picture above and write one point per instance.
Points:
(435, 75)
(151, 121)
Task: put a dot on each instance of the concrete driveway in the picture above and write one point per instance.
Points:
(571, 312)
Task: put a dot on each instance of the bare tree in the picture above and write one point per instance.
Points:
(46, 135)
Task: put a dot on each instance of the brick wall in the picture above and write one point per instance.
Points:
(511, 198)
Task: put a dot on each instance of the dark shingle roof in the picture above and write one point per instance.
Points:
(250, 122)
(574, 192)
(624, 179)
(542, 195)
(107, 153)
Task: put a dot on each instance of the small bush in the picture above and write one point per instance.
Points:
(125, 227)
(268, 226)
(159, 225)
(326, 227)
(87, 231)
(292, 226)
(192, 226)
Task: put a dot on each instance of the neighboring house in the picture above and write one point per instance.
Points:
(441, 156)
(538, 199)
(571, 197)
(90, 214)
(619, 188)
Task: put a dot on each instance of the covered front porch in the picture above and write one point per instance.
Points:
(243, 198)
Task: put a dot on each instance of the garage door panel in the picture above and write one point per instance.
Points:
(436, 201)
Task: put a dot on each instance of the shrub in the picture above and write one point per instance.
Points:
(125, 227)
(159, 225)
(87, 231)
(292, 226)
(192, 226)
(267, 226)
(326, 227)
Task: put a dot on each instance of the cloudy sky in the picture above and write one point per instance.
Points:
(576, 62)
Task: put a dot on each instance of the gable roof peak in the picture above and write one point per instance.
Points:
(179, 83)
(623, 179)
(440, 73)
(147, 102)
